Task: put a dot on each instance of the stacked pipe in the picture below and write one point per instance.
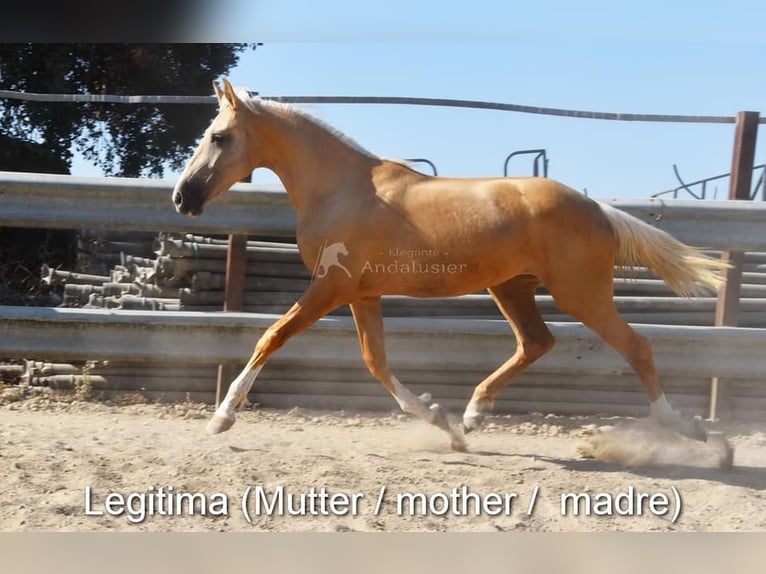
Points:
(276, 277)
(275, 274)
(115, 269)
(110, 378)
(99, 251)
(187, 272)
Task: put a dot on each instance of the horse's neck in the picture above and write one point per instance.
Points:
(310, 160)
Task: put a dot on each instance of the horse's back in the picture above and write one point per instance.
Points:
(544, 223)
(516, 202)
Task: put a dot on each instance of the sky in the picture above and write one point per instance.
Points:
(695, 58)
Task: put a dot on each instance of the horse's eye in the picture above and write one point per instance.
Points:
(217, 137)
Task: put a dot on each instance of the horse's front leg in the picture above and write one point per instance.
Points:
(369, 326)
(319, 299)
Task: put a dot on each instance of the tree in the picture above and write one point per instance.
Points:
(123, 139)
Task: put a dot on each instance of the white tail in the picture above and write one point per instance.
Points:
(686, 270)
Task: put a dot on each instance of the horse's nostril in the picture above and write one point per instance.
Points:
(178, 199)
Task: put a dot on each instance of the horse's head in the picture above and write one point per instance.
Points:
(220, 160)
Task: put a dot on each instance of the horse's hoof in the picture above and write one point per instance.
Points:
(441, 420)
(439, 417)
(693, 429)
(219, 424)
(473, 416)
(726, 460)
(689, 427)
(472, 421)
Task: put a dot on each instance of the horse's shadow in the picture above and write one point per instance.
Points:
(753, 477)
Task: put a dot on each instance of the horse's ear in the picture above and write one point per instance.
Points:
(228, 92)
(217, 90)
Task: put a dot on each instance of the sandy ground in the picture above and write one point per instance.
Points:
(513, 477)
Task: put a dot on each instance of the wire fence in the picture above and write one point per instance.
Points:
(386, 100)
(396, 100)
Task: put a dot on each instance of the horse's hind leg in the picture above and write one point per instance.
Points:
(369, 326)
(593, 304)
(516, 300)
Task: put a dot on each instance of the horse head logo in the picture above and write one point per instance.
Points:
(329, 257)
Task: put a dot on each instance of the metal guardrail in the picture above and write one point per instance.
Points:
(61, 201)
(57, 201)
(186, 338)
(730, 225)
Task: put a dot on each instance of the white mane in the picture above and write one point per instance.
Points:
(254, 102)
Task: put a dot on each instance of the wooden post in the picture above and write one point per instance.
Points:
(234, 296)
(727, 307)
(236, 268)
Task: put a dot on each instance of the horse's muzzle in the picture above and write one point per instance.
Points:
(183, 205)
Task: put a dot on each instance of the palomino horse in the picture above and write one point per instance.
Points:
(458, 236)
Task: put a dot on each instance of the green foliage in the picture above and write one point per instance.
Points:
(123, 139)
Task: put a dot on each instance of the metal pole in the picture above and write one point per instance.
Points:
(727, 308)
(236, 267)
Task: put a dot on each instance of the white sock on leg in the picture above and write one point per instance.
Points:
(661, 407)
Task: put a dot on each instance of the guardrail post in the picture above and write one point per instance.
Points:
(236, 267)
(234, 295)
(727, 308)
